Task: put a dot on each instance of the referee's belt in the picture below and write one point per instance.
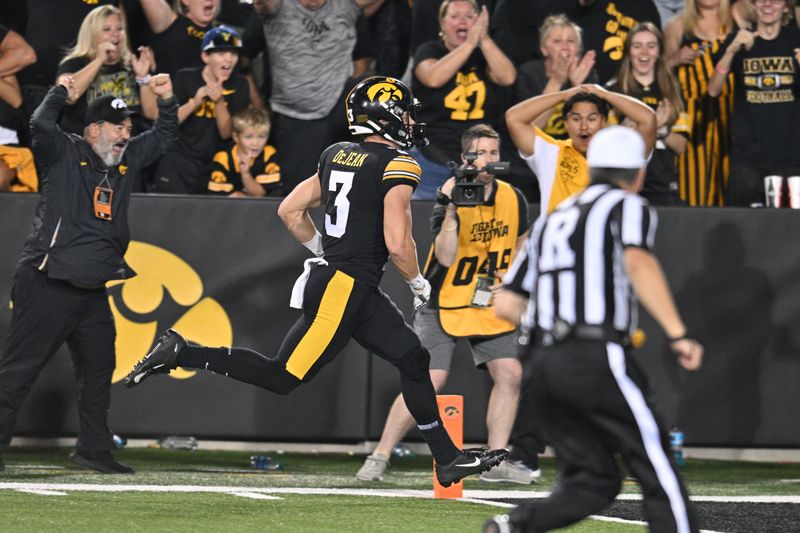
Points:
(562, 331)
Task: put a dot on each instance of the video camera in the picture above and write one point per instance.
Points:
(467, 192)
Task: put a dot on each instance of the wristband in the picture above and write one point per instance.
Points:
(442, 198)
(417, 282)
(144, 81)
(315, 245)
(683, 337)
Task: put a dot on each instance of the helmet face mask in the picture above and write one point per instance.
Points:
(384, 106)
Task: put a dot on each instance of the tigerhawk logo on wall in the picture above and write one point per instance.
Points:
(165, 293)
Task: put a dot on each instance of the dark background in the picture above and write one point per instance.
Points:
(735, 273)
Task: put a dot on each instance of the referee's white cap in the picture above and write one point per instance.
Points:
(616, 147)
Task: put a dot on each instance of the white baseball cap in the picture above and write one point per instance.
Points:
(616, 147)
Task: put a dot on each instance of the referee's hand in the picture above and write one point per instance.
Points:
(689, 352)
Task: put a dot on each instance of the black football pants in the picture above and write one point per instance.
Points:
(594, 408)
(46, 314)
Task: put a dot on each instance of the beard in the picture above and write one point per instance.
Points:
(105, 149)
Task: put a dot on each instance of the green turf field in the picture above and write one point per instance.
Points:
(218, 491)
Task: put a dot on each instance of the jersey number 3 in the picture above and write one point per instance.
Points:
(336, 225)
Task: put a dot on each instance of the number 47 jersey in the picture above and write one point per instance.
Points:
(354, 178)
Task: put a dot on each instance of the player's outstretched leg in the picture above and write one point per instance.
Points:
(161, 359)
(469, 461)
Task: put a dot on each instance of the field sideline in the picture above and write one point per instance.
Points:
(216, 490)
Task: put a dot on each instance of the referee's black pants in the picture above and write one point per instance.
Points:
(594, 408)
(46, 314)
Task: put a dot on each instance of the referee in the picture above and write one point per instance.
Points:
(585, 266)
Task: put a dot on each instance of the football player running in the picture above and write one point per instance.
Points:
(365, 190)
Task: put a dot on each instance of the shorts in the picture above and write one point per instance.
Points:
(441, 345)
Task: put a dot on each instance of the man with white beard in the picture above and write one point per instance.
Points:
(77, 244)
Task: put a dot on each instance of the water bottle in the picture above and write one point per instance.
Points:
(174, 442)
(401, 451)
(676, 445)
(264, 462)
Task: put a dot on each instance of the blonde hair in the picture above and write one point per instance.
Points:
(446, 4)
(664, 79)
(559, 21)
(251, 117)
(691, 12)
(92, 25)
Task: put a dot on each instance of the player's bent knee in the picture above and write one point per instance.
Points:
(415, 363)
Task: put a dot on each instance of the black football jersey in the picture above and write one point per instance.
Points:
(354, 178)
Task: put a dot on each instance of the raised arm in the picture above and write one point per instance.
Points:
(499, 67)
(435, 73)
(520, 118)
(643, 117)
(15, 54)
(44, 130)
(159, 14)
(10, 91)
(743, 39)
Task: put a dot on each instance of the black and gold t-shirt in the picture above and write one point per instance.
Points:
(468, 98)
(354, 178)
(226, 177)
(606, 24)
(765, 124)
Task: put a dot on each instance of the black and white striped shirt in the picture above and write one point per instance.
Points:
(572, 265)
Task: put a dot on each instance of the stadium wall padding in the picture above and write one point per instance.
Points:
(223, 269)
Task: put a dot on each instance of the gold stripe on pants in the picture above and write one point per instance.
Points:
(326, 323)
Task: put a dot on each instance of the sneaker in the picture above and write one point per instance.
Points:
(498, 524)
(511, 472)
(471, 461)
(161, 359)
(101, 461)
(373, 468)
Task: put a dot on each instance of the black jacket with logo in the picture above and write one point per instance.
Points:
(67, 240)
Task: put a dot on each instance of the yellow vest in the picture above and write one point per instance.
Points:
(483, 232)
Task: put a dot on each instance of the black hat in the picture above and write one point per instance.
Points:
(221, 38)
(108, 109)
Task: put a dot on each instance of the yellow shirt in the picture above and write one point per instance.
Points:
(561, 169)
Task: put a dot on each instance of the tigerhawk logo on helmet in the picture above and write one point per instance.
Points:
(385, 106)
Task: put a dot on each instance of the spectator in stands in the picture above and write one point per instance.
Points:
(310, 45)
(765, 123)
(461, 303)
(179, 30)
(693, 41)
(605, 25)
(17, 170)
(643, 74)
(456, 78)
(248, 168)
(560, 166)
(101, 64)
(208, 96)
(563, 65)
(51, 28)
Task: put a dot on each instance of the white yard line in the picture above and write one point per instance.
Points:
(41, 492)
(255, 495)
(387, 493)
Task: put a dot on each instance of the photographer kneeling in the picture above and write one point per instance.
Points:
(478, 224)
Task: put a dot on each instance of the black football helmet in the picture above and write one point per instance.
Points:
(376, 106)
